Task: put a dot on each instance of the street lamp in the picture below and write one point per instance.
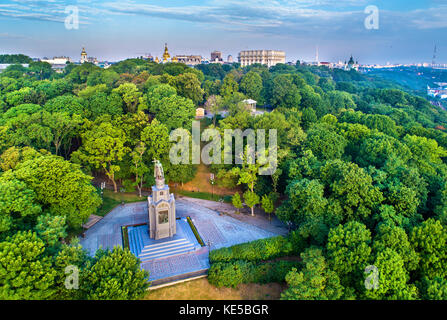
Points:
(212, 181)
(103, 185)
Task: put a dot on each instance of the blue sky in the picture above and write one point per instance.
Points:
(113, 30)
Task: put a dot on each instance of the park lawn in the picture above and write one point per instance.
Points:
(111, 199)
(200, 289)
(201, 183)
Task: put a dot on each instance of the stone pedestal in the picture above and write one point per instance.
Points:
(162, 220)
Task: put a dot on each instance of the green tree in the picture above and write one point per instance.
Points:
(176, 112)
(60, 186)
(251, 85)
(16, 201)
(229, 86)
(435, 289)
(62, 126)
(70, 255)
(156, 93)
(325, 143)
(132, 98)
(307, 200)
(26, 272)
(424, 152)
(284, 92)
(351, 189)
(213, 105)
(51, 228)
(14, 155)
(236, 201)
(393, 278)
(40, 70)
(188, 86)
(103, 146)
(227, 179)
(396, 238)
(24, 95)
(156, 138)
(139, 169)
(430, 241)
(341, 100)
(251, 199)
(114, 275)
(315, 281)
(348, 250)
(267, 205)
(66, 103)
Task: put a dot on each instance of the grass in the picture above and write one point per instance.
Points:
(125, 237)
(111, 199)
(201, 183)
(194, 230)
(203, 195)
(201, 290)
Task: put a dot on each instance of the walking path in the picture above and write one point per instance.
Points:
(275, 225)
(216, 230)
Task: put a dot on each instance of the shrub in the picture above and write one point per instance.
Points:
(231, 274)
(263, 249)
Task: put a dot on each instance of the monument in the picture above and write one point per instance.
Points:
(161, 207)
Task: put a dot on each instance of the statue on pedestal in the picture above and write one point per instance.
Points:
(161, 207)
(159, 174)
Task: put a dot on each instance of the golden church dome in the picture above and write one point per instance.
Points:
(166, 55)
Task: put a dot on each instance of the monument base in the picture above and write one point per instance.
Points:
(145, 248)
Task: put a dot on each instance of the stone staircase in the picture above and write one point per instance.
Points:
(159, 250)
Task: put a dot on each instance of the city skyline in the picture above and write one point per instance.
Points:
(111, 30)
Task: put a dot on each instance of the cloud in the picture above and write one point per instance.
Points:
(432, 18)
(250, 15)
(5, 35)
(261, 16)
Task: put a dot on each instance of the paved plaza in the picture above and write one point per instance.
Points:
(216, 230)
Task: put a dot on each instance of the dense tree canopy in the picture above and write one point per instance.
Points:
(361, 172)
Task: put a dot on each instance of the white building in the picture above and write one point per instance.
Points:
(189, 60)
(440, 92)
(266, 57)
(57, 60)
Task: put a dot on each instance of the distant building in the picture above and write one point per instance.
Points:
(57, 60)
(166, 55)
(190, 60)
(230, 59)
(84, 56)
(351, 64)
(92, 60)
(251, 104)
(3, 66)
(200, 113)
(266, 57)
(147, 57)
(440, 92)
(85, 59)
(216, 56)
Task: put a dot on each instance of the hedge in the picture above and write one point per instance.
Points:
(231, 274)
(259, 250)
(194, 230)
